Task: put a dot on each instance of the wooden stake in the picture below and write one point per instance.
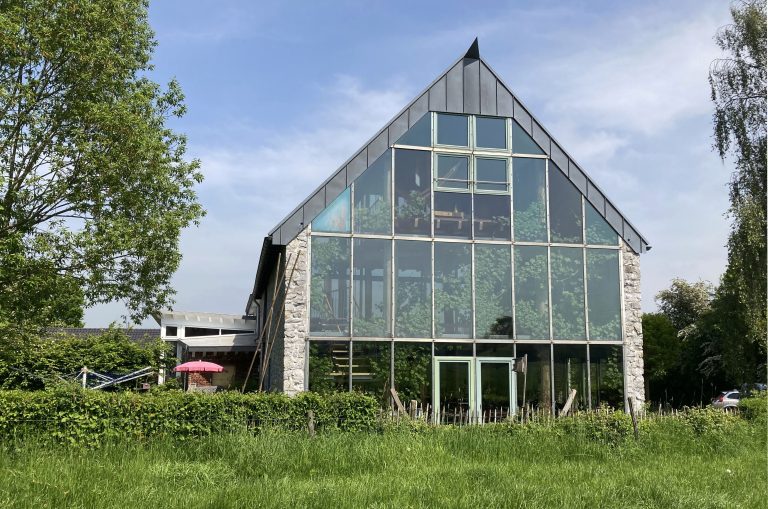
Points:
(267, 323)
(400, 407)
(631, 401)
(311, 424)
(568, 403)
(279, 318)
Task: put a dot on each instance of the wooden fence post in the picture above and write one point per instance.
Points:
(311, 424)
(632, 413)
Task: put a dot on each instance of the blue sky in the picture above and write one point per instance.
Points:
(281, 93)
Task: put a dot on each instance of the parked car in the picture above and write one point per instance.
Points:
(727, 400)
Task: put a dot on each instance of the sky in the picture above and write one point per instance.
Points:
(281, 93)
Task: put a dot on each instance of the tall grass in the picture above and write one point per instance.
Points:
(671, 466)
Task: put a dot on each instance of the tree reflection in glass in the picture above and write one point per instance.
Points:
(493, 292)
(373, 207)
(413, 372)
(603, 294)
(412, 192)
(531, 292)
(564, 209)
(568, 319)
(413, 289)
(599, 232)
(529, 199)
(371, 301)
(329, 296)
(453, 290)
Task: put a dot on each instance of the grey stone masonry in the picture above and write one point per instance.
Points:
(633, 324)
(296, 313)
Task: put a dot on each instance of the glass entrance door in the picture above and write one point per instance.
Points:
(454, 390)
(495, 389)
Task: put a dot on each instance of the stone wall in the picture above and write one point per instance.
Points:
(285, 372)
(296, 314)
(633, 324)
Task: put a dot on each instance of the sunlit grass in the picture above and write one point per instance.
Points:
(670, 467)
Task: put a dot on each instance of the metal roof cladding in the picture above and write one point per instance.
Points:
(470, 86)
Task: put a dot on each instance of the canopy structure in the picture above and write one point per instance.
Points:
(199, 367)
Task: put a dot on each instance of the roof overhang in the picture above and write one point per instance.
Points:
(226, 343)
(167, 315)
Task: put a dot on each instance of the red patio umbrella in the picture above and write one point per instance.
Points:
(199, 367)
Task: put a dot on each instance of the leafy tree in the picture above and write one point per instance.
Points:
(52, 354)
(683, 302)
(661, 348)
(93, 185)
(738, 84)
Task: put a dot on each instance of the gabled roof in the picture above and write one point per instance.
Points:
(470, 86)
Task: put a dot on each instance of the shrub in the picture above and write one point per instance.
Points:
(90, 417)
(707, 419)
(755, 408)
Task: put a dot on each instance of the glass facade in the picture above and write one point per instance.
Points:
(471, 244)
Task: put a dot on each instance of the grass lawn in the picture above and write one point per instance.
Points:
(475, 468)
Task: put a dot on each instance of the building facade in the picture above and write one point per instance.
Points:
(226, 340)
(461, 237)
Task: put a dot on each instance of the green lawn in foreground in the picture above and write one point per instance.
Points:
(475, 468)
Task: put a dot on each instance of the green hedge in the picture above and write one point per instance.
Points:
(90, 417)
(755, 408)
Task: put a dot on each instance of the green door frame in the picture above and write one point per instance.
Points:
(512, 387)
(470, 361)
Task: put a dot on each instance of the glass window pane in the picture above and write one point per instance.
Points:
(371, 364)
(530, 199)
(488, 171)
(491, 132)
(522, 143)
(373, 196)
(419, 135)
(492, 217)
(194, 332)
(571, 373)
(413, 372)
(329, 314)
(452, 130)
(453, 349)
(413, 289)
(603, 294)
(538, 386)
(452, 172)
(493, 292)
(328, 366)
(453, 290)
(494, 350)
(412, 192)
(454, 387)
(335, 217)
(371, 302)
(564, 208)
(599, 232)
(568, 293)
(531, 292)
(453, 215)
(606, 371)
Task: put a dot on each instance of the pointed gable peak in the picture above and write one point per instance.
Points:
(468, 87)
(473, 51)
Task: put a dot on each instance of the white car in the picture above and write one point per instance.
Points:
(727, 400)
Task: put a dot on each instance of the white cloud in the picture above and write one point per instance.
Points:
(293, 164)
